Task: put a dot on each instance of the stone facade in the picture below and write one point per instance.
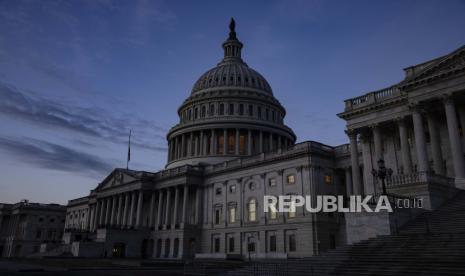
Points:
(231, 147)
(25, 227)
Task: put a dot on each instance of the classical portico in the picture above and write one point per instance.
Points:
(417, 130)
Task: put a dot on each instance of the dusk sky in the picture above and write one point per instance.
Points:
(75, 76)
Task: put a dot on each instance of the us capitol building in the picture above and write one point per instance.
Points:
(231, 147)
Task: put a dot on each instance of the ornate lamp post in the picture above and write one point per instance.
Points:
(381, 173)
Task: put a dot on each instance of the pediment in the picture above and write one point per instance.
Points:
(116, 178)
(444, 66)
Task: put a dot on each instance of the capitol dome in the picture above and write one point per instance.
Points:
(231, 112)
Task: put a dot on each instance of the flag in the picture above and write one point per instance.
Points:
(129, 150)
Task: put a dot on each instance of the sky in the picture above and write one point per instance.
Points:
(76, 76)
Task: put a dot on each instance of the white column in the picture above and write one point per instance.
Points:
(168, 208)
(91, 222)
(183, 145)
(197, 205)
(420, 144)
(184, 204)
(131, 212)
(404, 147)
(435, 144)
(249, 142)
(113, 210)
(125, 212)
(107, 211)
(370, 184)
(461, 112)
(102, 212)
(454, 137)
(176, 203)
(152, 210)
(349, 188)
(202, 144)
(378, 144)
(140, 201)
(189, 145)
(160, 207)
(354, 162)
(120, 207)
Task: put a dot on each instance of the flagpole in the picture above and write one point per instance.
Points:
(129, 151)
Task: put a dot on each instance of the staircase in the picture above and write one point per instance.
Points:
(431, 244)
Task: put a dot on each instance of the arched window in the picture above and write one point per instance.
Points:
(203, 112)
(252, 210)
(212, 110)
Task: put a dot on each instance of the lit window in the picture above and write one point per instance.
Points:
(291, 179)
(252, 210)
(273, 213)
(328, 179)
(232, 214)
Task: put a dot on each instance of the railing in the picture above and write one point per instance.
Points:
(372, 97)
(419, 177)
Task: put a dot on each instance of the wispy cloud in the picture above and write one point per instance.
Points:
(85, 120)
(55, 157)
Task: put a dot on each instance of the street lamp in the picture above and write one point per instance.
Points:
(381, 173)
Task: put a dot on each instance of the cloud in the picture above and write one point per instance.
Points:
(89, 121)
(52, 156)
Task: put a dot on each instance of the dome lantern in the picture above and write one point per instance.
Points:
(232, 46)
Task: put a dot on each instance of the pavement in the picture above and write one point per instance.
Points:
(23, 268)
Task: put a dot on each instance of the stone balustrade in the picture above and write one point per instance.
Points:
(418, 177)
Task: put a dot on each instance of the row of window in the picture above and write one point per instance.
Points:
(230, 109)
(251, 246)
(251, 213)
(252, 185)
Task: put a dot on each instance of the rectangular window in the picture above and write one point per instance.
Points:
(259, 111)
(267, 114)
(250, 110)
(231, 109)
(221, 109)
(273, 243)
(232, 214)
(241, 109)
(231, 143)
(272, 182)
(328, 179)
(38, 234)
(231, 244)
(292, 244)
(218, 191)
(273, 214)
(241, 144)
(217, 216)
(220, 144)
(217, 245)
(291, 179)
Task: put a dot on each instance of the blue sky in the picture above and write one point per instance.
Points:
(75, 76)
